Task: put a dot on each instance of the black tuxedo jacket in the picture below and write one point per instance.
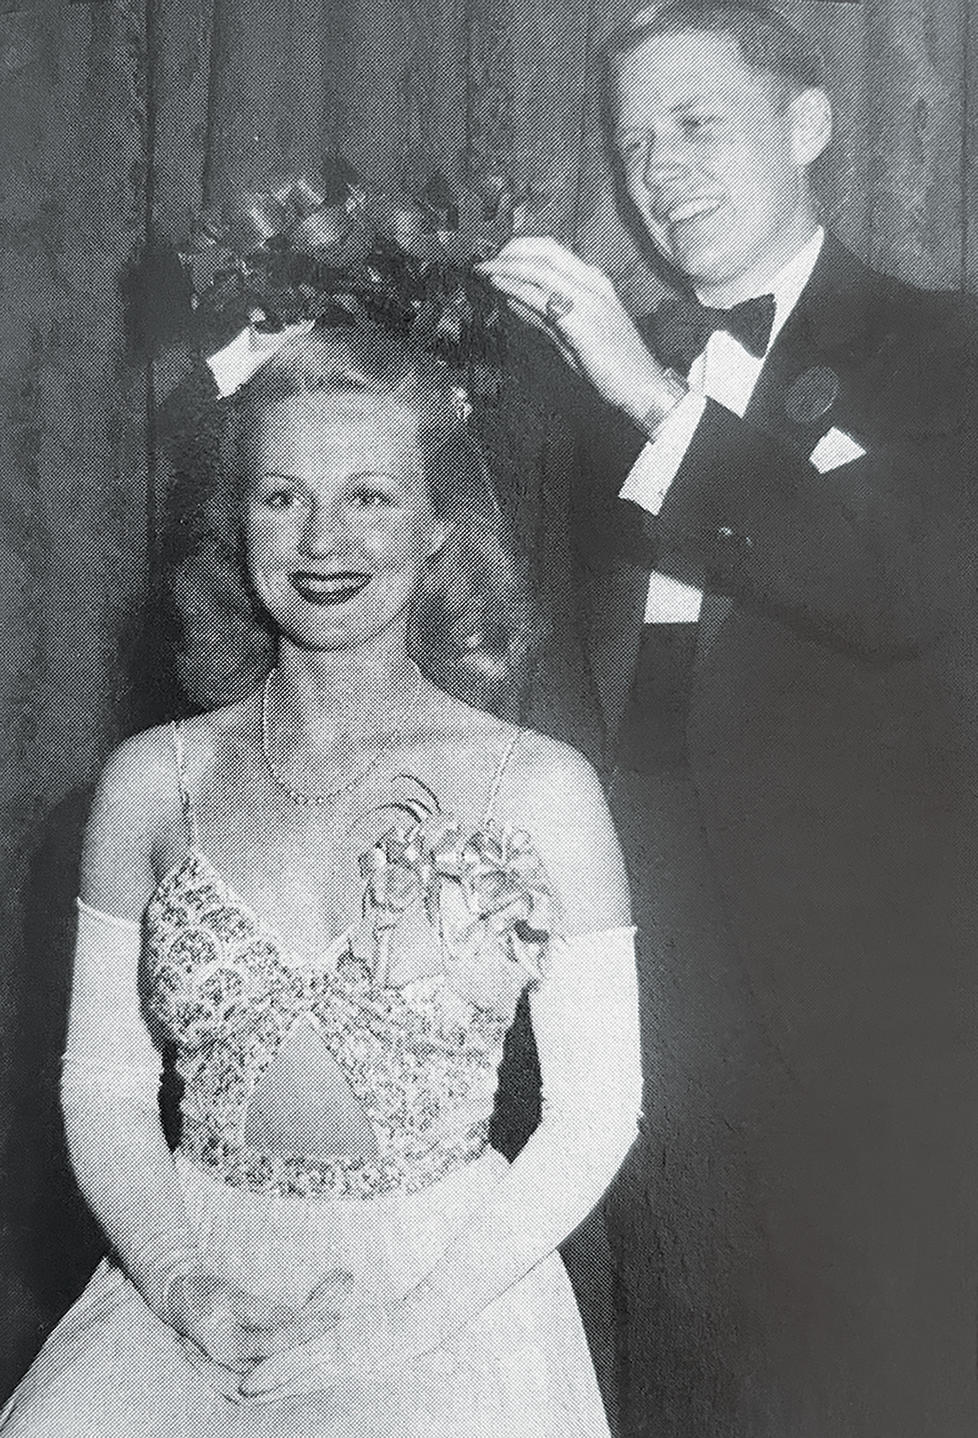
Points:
(833, 740)
(871, 562)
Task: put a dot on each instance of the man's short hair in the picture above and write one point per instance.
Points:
(768, 41)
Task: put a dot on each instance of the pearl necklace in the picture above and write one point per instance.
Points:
(300, 796)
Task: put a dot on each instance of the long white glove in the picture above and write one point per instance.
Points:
(110, 1086)
(585, 1021)
(110, 1095)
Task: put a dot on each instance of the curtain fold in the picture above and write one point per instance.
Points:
(73, 530)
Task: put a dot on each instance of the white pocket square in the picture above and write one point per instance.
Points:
(835, 448)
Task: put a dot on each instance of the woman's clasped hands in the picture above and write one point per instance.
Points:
(369, 1343)
(228, 1333)
(252, 1348)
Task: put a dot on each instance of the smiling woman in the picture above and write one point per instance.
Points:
(326, 899)
(403, 459)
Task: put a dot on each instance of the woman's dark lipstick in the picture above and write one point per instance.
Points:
(328, 588)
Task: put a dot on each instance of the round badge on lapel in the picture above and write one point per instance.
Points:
(812, 394)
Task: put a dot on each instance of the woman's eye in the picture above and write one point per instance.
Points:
(277, 498)
(367, 498)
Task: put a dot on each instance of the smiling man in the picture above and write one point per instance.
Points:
(773, 539)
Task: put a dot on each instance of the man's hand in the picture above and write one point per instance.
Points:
(576, 306)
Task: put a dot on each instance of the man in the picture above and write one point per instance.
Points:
(772, 536)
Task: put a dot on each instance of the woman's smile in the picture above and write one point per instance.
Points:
(337, 587)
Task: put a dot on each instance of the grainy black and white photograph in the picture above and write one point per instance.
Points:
(489, 684)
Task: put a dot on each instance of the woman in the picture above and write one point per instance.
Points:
(334, 1247)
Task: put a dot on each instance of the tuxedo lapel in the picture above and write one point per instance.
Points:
(828, 324)
(801, 373)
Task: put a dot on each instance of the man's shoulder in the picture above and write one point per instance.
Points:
(888, 303)
(907, 355)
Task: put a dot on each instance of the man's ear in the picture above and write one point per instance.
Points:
(436, 537)
(811, 126)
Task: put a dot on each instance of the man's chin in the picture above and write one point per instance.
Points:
(684, 259)
(700, 263)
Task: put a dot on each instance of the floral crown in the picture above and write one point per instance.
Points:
(330, 249)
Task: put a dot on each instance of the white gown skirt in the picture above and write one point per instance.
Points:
(112, 1369)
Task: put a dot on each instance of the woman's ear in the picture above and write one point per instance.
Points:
(811, 126)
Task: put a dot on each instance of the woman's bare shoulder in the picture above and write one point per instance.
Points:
(204, 734)
(455, 718)
(552, 791)
(537, 767)
(142, 772)
(549, 770)
(139, 768)
(136, 796)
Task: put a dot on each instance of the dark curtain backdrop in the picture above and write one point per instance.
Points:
(116, 120)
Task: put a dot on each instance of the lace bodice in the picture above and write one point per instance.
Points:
(418, 1058)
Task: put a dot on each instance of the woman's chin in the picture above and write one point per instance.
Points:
(343, 628)
(320, 627)
(334, 642)
(337, 637)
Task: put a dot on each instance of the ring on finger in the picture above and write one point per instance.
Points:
(558, 306)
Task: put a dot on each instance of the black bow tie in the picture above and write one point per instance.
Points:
(683, 326)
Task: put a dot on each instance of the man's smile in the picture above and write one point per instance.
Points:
(672, 205)
(695, 209)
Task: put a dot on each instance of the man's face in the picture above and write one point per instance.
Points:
(713, 158)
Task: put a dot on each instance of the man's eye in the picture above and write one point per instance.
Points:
(694, 123)
(632, 147)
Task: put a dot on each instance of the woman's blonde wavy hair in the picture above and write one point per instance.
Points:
(470, 623)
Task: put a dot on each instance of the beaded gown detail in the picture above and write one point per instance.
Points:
(223, 991)
(395, 1158)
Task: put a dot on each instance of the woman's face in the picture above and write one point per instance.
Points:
(339, 520)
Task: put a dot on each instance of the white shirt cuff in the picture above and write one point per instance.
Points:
(649, 478)
(669, 601)
(234, 365)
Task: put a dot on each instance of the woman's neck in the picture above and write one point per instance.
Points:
(321, 696)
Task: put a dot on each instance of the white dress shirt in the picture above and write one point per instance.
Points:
(724, 372)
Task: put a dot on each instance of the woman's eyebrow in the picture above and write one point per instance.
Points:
(371, 473)
(699, 103)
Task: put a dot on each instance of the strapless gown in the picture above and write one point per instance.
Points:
(413, 1070)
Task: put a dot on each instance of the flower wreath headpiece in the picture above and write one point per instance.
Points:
(329, 248)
